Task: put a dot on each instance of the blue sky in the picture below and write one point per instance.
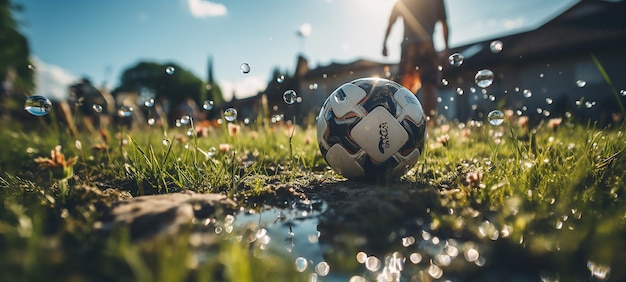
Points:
(99, 39)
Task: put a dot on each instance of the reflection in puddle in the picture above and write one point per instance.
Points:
(402, 239)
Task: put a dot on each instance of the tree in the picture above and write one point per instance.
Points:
(168, 81)
(15, 66)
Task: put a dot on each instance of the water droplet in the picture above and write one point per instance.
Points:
(484, 78)
(280, 79)
(459, 91)
(456, 59)
(581, 83)
(230, 114)
(190, 132)
(435, 271)
(495, 117)
(170, 70)
(207, 105)
(372, 263)
(290, 97)
(322, 268)
(245, 68)
(124, 111)
(549, 101)
(97, 108)
(166, 142)
(471, 255)
(211, 152)
(151, 121)
(527, 93)
(185, 120)
(415, 258)
(149, 103)
(496, 46)
(38, 105)
(623, 92)
(301, 264)
(598, 271)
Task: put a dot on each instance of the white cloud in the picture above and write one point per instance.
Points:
(204, 8)
(305, 30)
(52, 81)
(247, 87)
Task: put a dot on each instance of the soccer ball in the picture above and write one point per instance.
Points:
(371, 128)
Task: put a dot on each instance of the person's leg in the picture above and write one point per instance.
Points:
(408, 73)
(429, 99)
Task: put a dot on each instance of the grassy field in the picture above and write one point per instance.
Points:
(535, 201)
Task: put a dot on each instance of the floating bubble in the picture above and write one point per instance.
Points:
(495, 117)
(301, 264)
(185, 120)
(245, 68)
(456, 59)
(361, 257)
(290, 96)
(149, 103)
(471, 255)
(581, 83)
(151, 121)
(435, 271)
(527, 93)
(598, 271)
(280, 79)
(230, 114)
(124, 111)
(170, 70)
(496, 46)
(97, 108)
(322, 268)
(38, 105)
(415, 258)
(207, 105)
(372, 263)
(484, 78)
(357, 278)
(211, 152)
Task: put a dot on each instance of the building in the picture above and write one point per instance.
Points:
(541, 73)
(548, 70)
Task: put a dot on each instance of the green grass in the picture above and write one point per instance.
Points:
(549, 187)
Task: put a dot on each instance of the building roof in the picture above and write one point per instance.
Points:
(587, 26)
(336, 68)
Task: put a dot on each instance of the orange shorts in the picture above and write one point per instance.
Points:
(418, 65)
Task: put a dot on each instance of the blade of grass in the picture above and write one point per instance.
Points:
(607, 79)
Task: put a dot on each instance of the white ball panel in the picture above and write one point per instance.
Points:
(341, 104)
(344, 162)
(379, 134)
